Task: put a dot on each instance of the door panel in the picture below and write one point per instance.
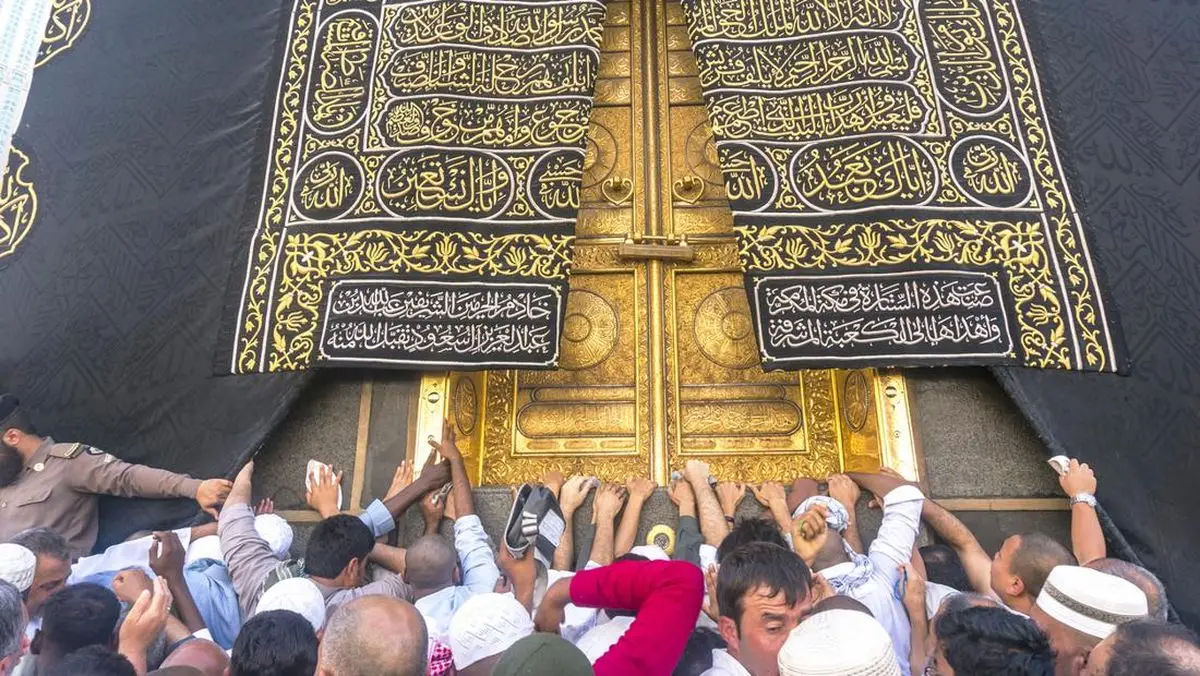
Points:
(658, 359)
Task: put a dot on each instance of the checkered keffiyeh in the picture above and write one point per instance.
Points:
(441, 661)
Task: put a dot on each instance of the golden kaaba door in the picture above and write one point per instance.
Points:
(658, 359)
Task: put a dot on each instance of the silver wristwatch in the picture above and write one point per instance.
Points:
(1085, 499)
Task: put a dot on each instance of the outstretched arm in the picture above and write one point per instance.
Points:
(571, 496)
(609, 499)
(958, 537)
(1087, 538)
(712, 520)
(640, 491)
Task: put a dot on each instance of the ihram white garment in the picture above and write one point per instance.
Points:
(891, 549)
(22, 24)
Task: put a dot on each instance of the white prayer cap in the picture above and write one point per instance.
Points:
(486, 625)
(297, 594)
(17, 566)
(207, 547)
(597, 640)
(838, 643)
(276, 531)
(651, 552)
(1091, 601)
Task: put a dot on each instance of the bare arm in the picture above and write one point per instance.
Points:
(846, 492)
(609, 499)
(1087, 539)
(640, 491)
(571, 496)
(464, 504)
(389, 557)
(712, 521)
(955, 533)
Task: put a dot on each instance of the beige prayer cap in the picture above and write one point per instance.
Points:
(839, 643)
(17, 566)
(1091, 601)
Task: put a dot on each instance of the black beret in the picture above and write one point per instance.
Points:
(9, 404)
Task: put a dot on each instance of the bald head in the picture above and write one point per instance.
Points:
(205, 657)
(352, 645)
(429, 564)
(1156, 593)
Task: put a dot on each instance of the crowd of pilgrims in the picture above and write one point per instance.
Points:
(791, 590)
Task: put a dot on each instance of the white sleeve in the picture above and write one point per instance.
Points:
(893, 545)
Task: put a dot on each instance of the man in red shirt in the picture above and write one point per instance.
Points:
(666, 595)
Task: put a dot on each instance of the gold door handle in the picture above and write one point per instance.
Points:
(688, 189)
(617, 191)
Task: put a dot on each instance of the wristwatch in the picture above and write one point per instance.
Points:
(1085, 499)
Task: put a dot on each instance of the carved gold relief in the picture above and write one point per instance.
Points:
(594, 414)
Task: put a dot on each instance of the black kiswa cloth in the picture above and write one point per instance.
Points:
(140, 137)
(420, 180)
(897, 193)
(1125, 79)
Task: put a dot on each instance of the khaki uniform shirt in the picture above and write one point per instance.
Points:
(59, 486)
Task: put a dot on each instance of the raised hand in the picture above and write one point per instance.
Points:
(167, 555)
(730, 494)
(401, 479)
(322, 494)
(433, 508)
(769, 493)
(264, 506)
(681, 494)
(843, 489)
(639, 488)
(609, 500)
(575, 491)
(212, 493)
(809, 533)
(448, 446)
(1079, 478)
(130, 583)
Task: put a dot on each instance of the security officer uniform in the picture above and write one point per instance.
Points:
(59, 486)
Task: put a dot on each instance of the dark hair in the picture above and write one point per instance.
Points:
(1035, 557)
(1156, 593)
(840, 602)
(275, 643)
(760, 564)
(334, 543)
(44, 541)
(957, 602)
(1154, 647)
(750, 530)
(697, 654)
(94, 660)
(943, 566)
(79, 616)
(994, 642)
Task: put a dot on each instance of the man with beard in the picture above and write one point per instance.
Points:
(51, 485)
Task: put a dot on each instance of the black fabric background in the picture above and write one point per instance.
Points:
(1124, 76)
(142, 138)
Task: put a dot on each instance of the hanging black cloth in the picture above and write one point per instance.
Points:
(1125, 78)
(135, 155)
